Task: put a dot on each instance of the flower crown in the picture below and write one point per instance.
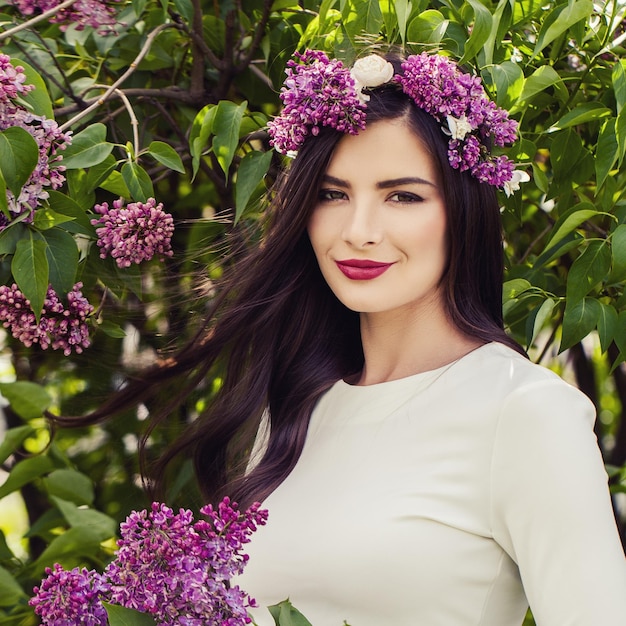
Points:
(322, 92)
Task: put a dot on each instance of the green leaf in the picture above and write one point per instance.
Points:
(47, 218)
(166, 155)
(4, 203)
(226, 128)
(121, 616)
(429, 27)
(25, 472)
(579, 319)
(618, 78)
(618, 253)
(62, 255)
(71, 485)
(73, 543)
(250, 173)
(403, 12)
(138, 182)
(111, 329)
(38, 100)
(89, 147)
(19, 155)
(30, 270)
(285, 614)
(513, 288)
(606, 151)
(607, 325)
(509, 80)
(590, 268)
(620, 133)
(537, 82)
(13, 439)
(28, 400)
(581, 114)
(481, 29)
(538, 319)
(570, 221)
(559, 20)
(10, 590)
(101, 525)
(10, 236)
(67, 206)
(201, 130)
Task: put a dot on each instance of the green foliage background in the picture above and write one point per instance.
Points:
(173, 106)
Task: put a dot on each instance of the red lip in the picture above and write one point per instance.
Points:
(362, 269)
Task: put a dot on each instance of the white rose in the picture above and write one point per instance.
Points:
(371, 71)
(458, 127)
(511, 186)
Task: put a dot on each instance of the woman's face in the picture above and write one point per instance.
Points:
(379, 228)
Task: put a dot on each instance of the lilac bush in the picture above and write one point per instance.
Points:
(166, 565)
(95, 13)
(48, 172)
(59, 327)
(134, 233)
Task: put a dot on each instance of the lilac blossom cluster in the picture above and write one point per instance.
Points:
(473, 121)
(317, 92)
(82, 13)
(59, 327)
(177, 570)
(133, 233)
(48, 172)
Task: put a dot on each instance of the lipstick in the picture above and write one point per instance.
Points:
(362, 269)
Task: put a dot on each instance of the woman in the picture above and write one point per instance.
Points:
(417, 468)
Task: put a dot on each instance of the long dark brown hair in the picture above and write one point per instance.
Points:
(282, 335)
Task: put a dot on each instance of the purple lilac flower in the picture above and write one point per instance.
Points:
(134, 233)
(437, 86)
(179, 571)
(11, 79)
(166, 565)
(61, 328)
(48, 172)
(317, 92)
(94, 13)
(68, 598)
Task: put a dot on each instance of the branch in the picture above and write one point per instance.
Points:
(114, 87)
(168, 93)
(197, 39)
(35, 20)
(131, 114)
(259, 31)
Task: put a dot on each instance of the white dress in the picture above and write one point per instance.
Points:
(449, 498)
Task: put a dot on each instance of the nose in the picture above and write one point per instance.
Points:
(362, 227)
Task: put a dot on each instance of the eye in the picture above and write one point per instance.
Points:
(329, 195)
(405, 197)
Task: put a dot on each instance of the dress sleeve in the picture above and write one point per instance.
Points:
(551, 510)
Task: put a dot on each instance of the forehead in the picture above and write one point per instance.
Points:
(385, 149)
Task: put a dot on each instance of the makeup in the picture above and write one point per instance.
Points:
(362, 269)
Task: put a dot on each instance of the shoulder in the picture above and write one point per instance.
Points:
(521, 385)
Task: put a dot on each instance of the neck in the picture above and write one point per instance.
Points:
(400, 343)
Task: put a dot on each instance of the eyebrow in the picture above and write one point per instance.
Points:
(383, 184)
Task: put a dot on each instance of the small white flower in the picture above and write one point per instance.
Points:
(519, 176)
(370, 71)
(458, 127)
(516, 56)
(292, 154)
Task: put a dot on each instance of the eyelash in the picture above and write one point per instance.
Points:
(330, 195)
(404, 197)
(401, 197)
